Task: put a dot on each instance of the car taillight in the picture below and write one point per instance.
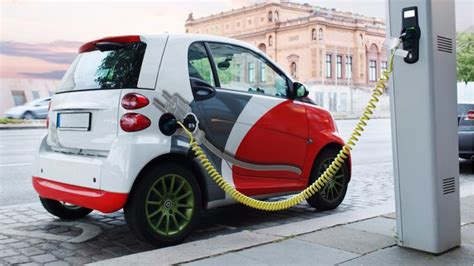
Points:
(469, 115)
(47, 116)
(133, 101)
(132, 122)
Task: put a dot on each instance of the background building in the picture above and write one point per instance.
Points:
(14, 91)
(338, 54)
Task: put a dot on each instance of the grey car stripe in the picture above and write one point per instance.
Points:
(256, 167)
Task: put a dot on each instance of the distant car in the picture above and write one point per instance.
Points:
(36, 109)
(466, 120)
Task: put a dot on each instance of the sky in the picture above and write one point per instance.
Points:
(39, 38)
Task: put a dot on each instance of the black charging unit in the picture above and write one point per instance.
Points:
(410, 34)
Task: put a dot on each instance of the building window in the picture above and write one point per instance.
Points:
(277, 16)
(35, 94)
(383, 66)
(333, 101)
(251, 72)
(348, 67)
(320, 34)
(339, 66)
(250, 22)
(270, 16)
(372, 70)
(319, 98)
(19, 97)
(263, 72)
(270, 40)
(328, 66)
(294, 69)
(313, 35)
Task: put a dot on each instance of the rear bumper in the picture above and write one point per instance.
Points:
(95, 199)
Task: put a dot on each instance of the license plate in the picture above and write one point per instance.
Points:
(74, 121)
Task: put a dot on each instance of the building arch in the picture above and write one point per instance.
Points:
(270, 41)
(270, 16)
(262, 47)
(313, 34)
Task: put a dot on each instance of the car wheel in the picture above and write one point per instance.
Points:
(164, 205)
(28, 115)
(64, 210)
(333, 193)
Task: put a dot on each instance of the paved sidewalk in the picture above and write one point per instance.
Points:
(362, 242)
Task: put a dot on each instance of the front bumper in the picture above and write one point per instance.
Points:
(95, 199)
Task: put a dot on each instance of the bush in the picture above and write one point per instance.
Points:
(10, 121)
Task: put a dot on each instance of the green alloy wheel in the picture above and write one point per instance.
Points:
(334, 191)
(170, 204)
(164, 205)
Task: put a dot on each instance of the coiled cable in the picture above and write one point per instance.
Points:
(319, 183)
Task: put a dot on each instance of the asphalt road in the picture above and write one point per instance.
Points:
(18, 147)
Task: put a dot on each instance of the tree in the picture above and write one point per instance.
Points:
(465, 56)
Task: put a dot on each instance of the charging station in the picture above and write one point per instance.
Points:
(424, 125)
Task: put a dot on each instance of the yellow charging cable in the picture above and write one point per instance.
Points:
(325, 177)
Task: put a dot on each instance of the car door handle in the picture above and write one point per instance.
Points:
(201, 89)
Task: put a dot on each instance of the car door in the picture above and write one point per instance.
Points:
(248, 116)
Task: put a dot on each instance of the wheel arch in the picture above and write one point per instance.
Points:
(180, 158)
(333, 146)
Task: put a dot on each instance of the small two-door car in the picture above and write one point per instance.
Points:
(112, 141)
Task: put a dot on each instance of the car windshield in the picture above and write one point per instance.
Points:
(110, 69)
(466, 93)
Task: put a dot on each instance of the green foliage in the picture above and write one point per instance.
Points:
(4, 121)
(465, 56)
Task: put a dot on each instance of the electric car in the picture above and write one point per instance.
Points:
(113, 141)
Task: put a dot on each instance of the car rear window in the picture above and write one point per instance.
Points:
(107, 69)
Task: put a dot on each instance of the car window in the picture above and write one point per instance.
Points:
(243, 70)
(199, 65)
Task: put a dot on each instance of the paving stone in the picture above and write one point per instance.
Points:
(78, 260)
(227, 259)
(44, 258)
(8, 241)
(19, 245)
(348, 239)
(34, 241)
(467, 234)
(31, 251)
(463, 255)
(63, 253)
(378, 225)
(296, 252)
(57, 263)
(102, 256)
(29, 264)
(88, 251)
(46, 246)
(8, 252)
(17, 259)
(73, 246)
(117, 251)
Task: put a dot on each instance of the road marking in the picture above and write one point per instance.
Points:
(15, 164)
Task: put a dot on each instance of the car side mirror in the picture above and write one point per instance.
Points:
(300, 90)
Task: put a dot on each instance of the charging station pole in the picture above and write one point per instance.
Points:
(424, 125)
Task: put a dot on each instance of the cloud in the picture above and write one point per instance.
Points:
(58, 52)
(43, 75)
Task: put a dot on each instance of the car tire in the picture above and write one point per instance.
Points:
(331, 196)
(29, 115)
(164, 205)
(64, 211)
